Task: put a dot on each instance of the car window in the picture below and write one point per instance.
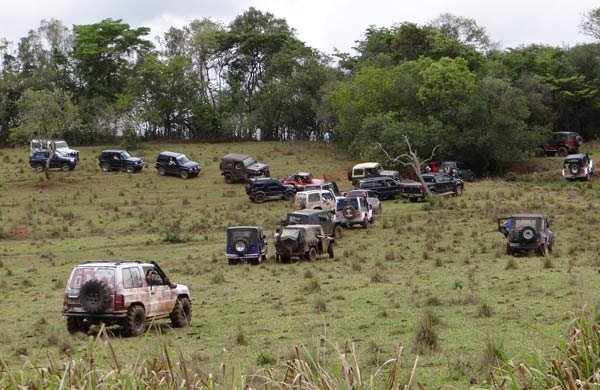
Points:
(125, 155)
(83, 274)
(327, 196)
(359, 172)
(341, 203)
(313, 198)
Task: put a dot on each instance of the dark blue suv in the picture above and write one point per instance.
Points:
(38, 160)
(260, 189)
(119, 160)
(246, 244)
(171, 163)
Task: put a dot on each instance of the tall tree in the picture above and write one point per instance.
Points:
(590, 23)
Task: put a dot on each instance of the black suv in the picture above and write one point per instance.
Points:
(315, 217)
(39, 158)
(262, 188)
(172, 163)
(119, 160)
(239, 167)
(384, 187)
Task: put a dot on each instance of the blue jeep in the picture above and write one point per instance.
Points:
(38, 160)
(246, 244)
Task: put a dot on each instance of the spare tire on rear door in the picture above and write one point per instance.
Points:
(94, 296)
(574, 168)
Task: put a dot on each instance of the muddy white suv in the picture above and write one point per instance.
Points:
(127, 293)
(317, 199)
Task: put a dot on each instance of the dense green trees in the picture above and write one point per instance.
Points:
(444, 83)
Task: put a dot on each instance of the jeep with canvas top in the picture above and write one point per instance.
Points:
(241, 167)
(246, 244)
(315, 217)
(527, 232)
(370, 169)
(302, 241)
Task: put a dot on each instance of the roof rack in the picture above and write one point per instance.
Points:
(112, 261)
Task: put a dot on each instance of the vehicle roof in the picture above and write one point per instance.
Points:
(235, 156)
(529, 216)
(565, 132)
(313, 191)
(306, 212)
(366, 165)
(302, 174)
(171, 154)
(113, 151)
(109, 263)
(578, 155)
(244, 227)
(302, 227)
(368, 179)
(255, 179)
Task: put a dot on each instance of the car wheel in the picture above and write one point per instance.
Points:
(181, 316)
(129, 169)
(285, 258)
(365, 222)
(65, 167)
(330, 251)
(337, 232)
(413, 200)
(184, 174)
(458, 191)
(562, 151)
(259, 198)
(135, 322)
(541, 250)
(228, 178)
(161, 171)
(105, 167)
(94, 296)
(75, 324)
(39, 168)
(528, 233)
(288, 195)
(312, 254)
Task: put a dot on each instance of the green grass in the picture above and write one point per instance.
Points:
(444, 260)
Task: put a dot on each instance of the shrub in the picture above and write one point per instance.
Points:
(485, 310)
(426, 338)
(265, 359)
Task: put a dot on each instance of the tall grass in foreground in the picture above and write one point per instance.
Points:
(576, 365)
(100, 368)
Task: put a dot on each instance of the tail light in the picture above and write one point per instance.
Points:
(119, 302)
(65, 302)
(422, 190)
(357, 213)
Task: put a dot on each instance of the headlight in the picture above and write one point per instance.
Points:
(240, 246)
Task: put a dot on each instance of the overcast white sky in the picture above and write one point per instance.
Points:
(323, 24)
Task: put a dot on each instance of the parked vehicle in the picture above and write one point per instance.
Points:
(260, 189)
(246, 244)
(330, 185)
(562, 143)
(119, 160)
(457, 169)
(578, 166)
(301, 179)
(302, 241)
(60, 146)
(370, 169)
(353, 211)
(38, 160)
(241, 167)
(372, 199)
(127, 293)
(317, 199)
(384, 187)
(172, 163)
(315, 217)
(438, 183)
(526, 232)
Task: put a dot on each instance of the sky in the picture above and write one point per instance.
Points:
(321, 24)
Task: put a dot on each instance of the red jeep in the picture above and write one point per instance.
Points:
(301, 179)
(562, 143)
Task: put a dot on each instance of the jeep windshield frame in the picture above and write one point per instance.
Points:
(248, 161)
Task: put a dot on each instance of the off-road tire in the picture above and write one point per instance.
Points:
(105, 167)
(135, 322)
(161, 171)
(337, 232)
(528, 233)
(39, 168)
(259, 198)
(65, 168)
(312, 254)
(562, 151)
(285, 258)
(288, 195)
(579, 140)
(458, 191)
(365, 223)
(330, 251)
(228, 178)
(574, 169)
(129, 168)
(181, 316)
(76, 324)
(184, 174)
(94, 296)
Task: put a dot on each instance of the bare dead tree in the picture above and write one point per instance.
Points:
(411, 159)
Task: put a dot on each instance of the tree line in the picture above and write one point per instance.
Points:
(445, 82)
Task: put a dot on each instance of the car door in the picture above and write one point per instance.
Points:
(326, 221)
(115, 160)
(134, 287)
(161, 295)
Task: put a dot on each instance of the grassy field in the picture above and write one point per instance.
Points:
(442, 260)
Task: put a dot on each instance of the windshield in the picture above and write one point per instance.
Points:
(292, 234)
(428, 179)
(249, 161)
(347, 202)
(520, 223)
(61, 144)
(182, 159)
(83, 274)
(125, 155)
(296, 219)
(250, 235)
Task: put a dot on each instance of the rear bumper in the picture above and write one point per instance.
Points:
(103, 316)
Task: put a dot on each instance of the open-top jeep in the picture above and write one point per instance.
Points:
(578, 166)
(315, 217)
(302, 241)
(241, 167)
(128, 293)
(301, 179)
(246, 244)
(526, 232)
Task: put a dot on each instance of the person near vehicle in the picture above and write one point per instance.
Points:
(150, 278)
(507, 226)
(171, 161)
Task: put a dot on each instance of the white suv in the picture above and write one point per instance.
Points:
(354, 211)
(317, 199)
(128, 293)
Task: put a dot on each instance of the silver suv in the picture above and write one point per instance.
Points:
(353, 211)
(128, 293)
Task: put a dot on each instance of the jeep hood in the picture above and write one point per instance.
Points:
(191, 164)
(257, 167)
(135, 160)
